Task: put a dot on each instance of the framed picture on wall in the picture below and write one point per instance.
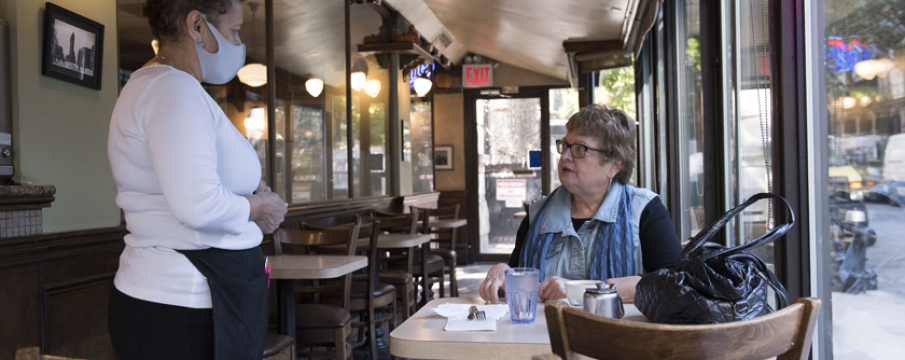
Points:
(73, 47)
(443, 157)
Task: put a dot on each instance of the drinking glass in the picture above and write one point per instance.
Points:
(521, 294)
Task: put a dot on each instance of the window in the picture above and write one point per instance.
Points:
(420, 142)
(862, 71)
(563, 104)
(690, 120)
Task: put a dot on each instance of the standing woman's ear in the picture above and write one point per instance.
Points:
(199, 32)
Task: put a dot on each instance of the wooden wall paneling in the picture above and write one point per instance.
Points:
(74, 317)
(56, 292)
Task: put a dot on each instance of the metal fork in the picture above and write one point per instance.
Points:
(480, 315)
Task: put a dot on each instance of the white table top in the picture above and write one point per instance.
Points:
(314, 266)
(398, 241)
(520, 215)
(422, 337)
(448, 223)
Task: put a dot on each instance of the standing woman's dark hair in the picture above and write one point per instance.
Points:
(164, 16)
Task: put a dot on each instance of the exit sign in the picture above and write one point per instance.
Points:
(477, 75)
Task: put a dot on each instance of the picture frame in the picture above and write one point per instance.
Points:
(73, 47)
(443, 157)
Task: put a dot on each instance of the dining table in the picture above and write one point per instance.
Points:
(423, 337)
(285, 269)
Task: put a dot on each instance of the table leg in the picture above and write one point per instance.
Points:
(425, 276)
(286, 307)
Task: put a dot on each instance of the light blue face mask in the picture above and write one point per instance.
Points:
(223, 66)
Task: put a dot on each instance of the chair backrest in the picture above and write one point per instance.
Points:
(392, 223)
(785, 334)
(367, 232)
(341, 240)
(444, 235)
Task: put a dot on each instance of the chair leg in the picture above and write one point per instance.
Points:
(339, 336)
(442, 280)
(372, 335)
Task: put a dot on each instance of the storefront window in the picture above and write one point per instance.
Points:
(370, 99)
(691, 119)
(419, 145)
(864, 75)
(312, 142)
(563, 104)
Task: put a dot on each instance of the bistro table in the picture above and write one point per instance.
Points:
(287, 268)
(520, 215)
(423, 337)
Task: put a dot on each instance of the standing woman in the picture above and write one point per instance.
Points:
(191, 281)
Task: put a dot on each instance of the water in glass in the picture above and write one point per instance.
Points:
(521, 294)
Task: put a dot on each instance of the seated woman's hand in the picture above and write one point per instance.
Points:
(495, 280)
(553, 288)
(625, 286)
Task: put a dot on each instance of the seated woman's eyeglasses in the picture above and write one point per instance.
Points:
(577, 150)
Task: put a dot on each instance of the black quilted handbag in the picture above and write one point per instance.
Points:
(712, 283)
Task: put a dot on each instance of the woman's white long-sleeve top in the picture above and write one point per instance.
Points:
(181, 170)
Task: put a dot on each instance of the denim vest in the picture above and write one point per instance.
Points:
(571, 251)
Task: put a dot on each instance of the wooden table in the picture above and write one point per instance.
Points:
(422, 337)
(448, 223)
(287, 268)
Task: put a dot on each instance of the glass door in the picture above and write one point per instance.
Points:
(509, 167)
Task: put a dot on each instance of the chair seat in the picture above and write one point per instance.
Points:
(395, 277)
(431, 259)
(446, 254)
(320, 316)
(360, 290)
(275, 343)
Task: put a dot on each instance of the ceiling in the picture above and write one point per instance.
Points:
(309, 34)
(526, 33)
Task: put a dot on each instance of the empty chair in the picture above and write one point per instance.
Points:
(368, 295)
(278, 347)
(401, 277)
(317, 324)
(445, 238)
(434, 262)
(785, 334)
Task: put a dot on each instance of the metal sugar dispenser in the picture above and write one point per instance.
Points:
(604, 301)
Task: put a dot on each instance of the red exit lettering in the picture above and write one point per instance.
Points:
(477, 76)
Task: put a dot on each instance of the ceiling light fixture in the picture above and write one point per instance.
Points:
(255, 74)
(422, 86)
(358, 80)
(314, 86)
(372, 88)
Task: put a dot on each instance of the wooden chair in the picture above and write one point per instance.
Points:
(401, 277)
(434, 262)
(279, 347)
(785, 334)
(321, 324)
(445, 239)
(368, 295)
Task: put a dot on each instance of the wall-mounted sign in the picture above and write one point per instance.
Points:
(477, 75)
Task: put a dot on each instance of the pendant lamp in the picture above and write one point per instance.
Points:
(372, 88)
(422, 86)
(314, 86)
(254, 74)
(358, 80)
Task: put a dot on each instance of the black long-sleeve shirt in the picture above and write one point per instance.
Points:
(660, 246)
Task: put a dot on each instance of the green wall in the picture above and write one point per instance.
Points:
(60, 129)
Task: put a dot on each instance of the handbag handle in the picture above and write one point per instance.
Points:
(708, 232)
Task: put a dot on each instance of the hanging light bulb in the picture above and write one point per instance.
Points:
(314, 86)
(155, 45)
(866, 69)
(849, 102)
(422, 86)
(253, 75)
(372, 88)
(358, 80)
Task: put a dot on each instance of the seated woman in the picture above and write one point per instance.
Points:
(592, 227)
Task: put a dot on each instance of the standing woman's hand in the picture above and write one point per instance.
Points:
(267, 209)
